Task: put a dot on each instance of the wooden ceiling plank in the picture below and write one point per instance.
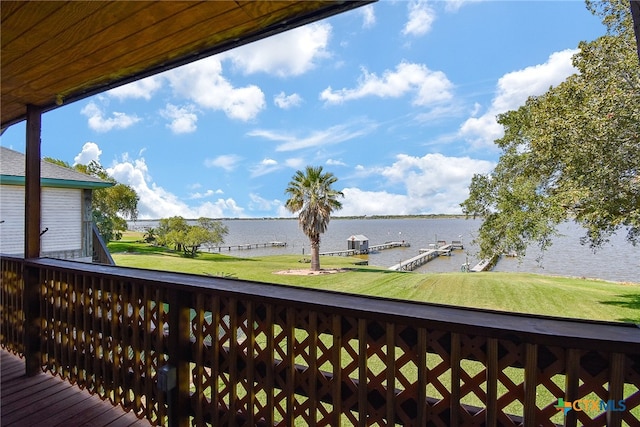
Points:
(177, 39)
(21, 20)
(125, 56)
(121, 32)
(233, 29)
(9, 8)
(64, 45)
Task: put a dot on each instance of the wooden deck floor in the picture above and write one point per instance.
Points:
(45, 400)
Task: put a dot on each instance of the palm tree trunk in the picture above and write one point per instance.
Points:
(315, 253)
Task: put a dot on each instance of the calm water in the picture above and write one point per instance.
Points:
(617, 261)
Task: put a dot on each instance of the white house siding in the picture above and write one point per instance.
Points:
(61, 216)
(12, 215)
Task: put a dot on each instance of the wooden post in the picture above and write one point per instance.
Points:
(32, 191)
(178, 344)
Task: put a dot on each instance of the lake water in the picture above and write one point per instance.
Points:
(617, 260)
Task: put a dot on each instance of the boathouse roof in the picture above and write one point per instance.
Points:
(359, 237)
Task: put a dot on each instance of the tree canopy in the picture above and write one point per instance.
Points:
(570, 154)
(176, 232)
(310, 193)
(111, 206)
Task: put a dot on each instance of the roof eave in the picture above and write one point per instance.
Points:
(56, 183)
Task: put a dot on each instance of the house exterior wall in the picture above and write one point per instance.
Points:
(62, 217)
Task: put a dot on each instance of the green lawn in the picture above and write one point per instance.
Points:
(512, 292)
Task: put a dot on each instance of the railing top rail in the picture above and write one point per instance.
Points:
(595, 335)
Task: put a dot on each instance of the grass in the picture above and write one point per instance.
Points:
(510, 292)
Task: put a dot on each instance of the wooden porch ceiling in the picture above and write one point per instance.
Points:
(54, 53)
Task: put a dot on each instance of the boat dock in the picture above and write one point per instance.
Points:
(389, 245)
(346, 252)
(415, 262)
(351, 252)
(248, 246)
(424, 257)
(485, 264)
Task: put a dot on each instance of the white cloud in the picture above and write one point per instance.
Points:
(99, 123)
(266, 166)
(287, 101)
(90, 151)
(144, 88)
(183, 119)
(291, 53)
(357, 202)
(512, 91)
(421, 16)
(295, 162)
(202, 82)
(206, 194)
(335, 162)
(428, 86)
(227, 162)
(258, 203)
(155, 202)
(332, 135)
(433, 183)
(368, 16)
(455, 5)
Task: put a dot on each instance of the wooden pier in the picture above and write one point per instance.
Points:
(351, 252)
(415, 262)
(485, 264)
(346, 252)
(389, 245)
(424, 257)
(248, 246)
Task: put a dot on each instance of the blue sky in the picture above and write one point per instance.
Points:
(397, 99)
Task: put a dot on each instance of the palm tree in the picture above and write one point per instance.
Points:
(310, 193)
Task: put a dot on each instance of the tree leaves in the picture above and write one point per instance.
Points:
(570, 154)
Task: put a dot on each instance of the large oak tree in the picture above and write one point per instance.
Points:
(572, 153)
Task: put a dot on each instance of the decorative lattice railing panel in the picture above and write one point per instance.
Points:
(257, 354)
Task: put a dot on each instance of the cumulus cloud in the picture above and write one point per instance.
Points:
(227, 162)
(155, 202)
(368, 16)
(428, 86)
(291, 53)
(202, 83)
(420, 19)
(357, 202)
(98, 122)
(512, 91)
(433, 183)
(90, 151)
(144, 88)
(182, 119)
(287, 101)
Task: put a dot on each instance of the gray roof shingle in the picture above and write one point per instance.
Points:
(12, 163)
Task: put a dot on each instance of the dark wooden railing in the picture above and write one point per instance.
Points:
(249, 353)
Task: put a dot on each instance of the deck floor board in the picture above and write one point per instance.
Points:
(46, 400)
